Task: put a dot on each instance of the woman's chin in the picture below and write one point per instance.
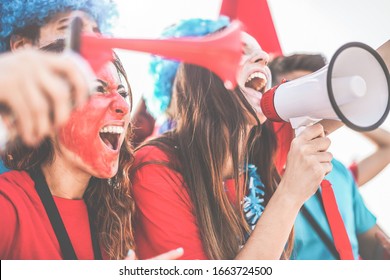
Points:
(261, 118)
(105, 174)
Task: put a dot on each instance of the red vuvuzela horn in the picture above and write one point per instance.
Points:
(219, 52)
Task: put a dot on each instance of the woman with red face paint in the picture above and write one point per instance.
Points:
(65, 199)
(58, 202)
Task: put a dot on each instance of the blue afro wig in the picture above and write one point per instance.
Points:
(18, 14)
(163, 71)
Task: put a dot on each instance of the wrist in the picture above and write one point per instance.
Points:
(287, 197)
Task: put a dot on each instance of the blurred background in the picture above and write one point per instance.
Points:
(309, 26)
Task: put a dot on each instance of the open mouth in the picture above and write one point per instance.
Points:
(110, 136)
(257, 81)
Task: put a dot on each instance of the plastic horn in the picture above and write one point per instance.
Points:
(219, 52)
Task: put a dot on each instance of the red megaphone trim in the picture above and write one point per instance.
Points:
(267, 104)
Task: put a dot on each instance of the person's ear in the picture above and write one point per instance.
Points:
(19, 42)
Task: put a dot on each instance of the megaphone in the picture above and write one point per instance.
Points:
(220, 52)
(354, 88)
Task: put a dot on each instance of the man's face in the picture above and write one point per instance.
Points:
(57, 27)
(94, 133)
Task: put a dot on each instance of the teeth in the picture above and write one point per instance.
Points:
(256, 75)
(112, 129)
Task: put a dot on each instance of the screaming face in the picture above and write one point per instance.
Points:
(254, 76)
(95, 132)
(256, 81)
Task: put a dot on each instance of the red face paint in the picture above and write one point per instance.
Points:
(96, 130)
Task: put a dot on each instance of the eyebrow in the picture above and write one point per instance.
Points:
(103, 82)
(63, 20)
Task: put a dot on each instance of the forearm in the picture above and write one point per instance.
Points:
(384, 52)
(380, 137)
(372, 165)
(269, 238)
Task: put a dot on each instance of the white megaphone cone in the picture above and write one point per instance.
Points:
(354, 88)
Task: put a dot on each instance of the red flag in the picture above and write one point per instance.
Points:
(257, 20)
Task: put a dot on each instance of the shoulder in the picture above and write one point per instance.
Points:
(16, 183)
(340, 171)
(153, 171)
(154, 163)
(339, 166)
(17, 189)
(17, 194)
(150, 153)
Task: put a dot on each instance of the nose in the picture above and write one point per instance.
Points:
(119, 106)
(260, 57)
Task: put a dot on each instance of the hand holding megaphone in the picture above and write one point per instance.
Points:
(353, 88)
(308, 162)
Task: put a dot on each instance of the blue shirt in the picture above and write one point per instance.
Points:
(357, 218)
(3, 169)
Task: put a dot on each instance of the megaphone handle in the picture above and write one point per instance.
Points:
(299, 130)
(300, 123)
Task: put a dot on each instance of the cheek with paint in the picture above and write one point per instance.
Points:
(81, 135)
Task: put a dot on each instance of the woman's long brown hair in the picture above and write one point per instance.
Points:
(111, 207)
(211, 124)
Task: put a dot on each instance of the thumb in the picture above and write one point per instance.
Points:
(171, 255)
(131, 255)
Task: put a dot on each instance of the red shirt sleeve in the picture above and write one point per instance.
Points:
(8, 225)
(165, 217)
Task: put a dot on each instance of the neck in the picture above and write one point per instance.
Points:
(65, 180)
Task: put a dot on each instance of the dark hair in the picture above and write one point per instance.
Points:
(31, 32)
(212, 123)
(282, 65)
(18, 16)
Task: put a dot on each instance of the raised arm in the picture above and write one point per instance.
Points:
(384, 52)
(370, 166)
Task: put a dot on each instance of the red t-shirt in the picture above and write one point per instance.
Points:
(165, 215)
(25, 229)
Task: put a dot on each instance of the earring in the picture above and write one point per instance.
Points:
(113, 182)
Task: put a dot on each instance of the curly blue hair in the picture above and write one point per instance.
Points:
(163, 71)
(18, 14)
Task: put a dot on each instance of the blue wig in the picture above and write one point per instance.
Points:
(163, 71)
(18, 14)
